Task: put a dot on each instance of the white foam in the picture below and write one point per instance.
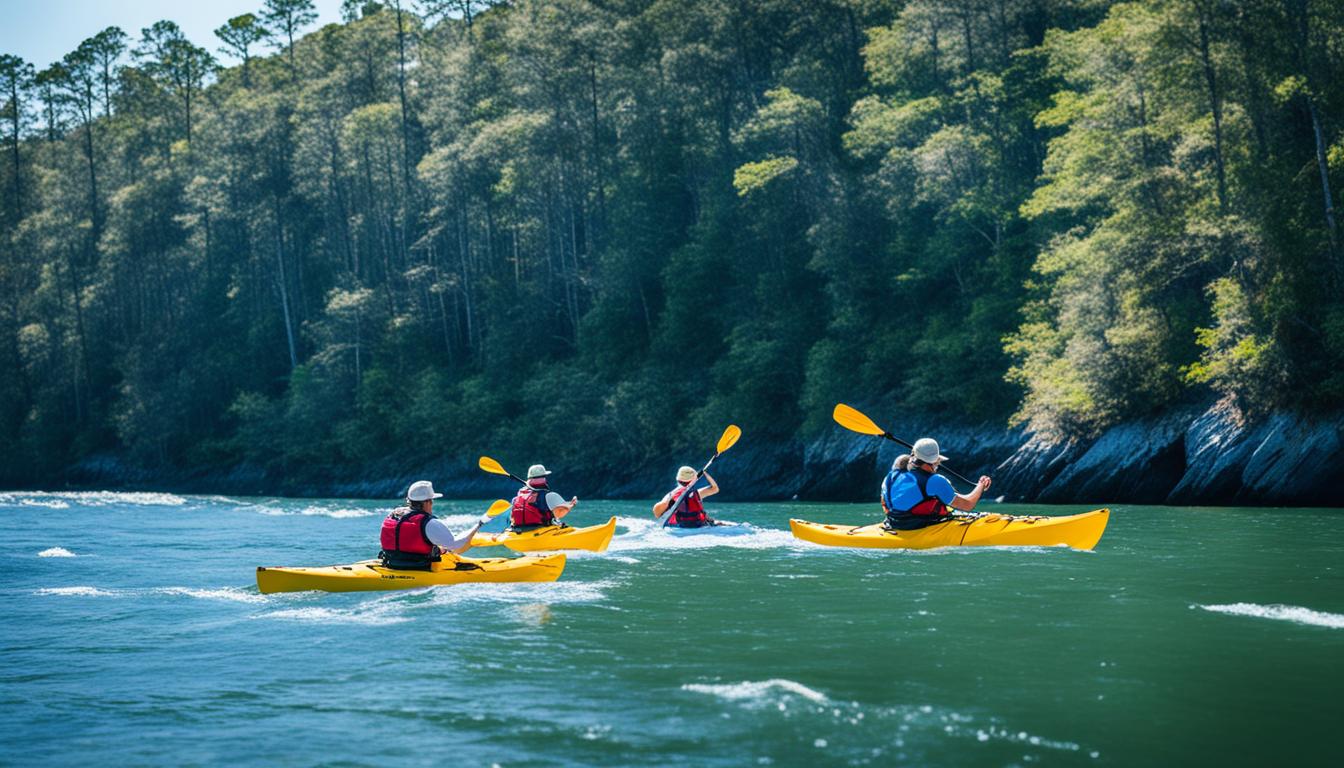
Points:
(77, 592)
(643, 534)
(1293, 613)
(231, 594)
(316, 510)
(63, 499)
(56, 552)
(45, 503)
(332, 616)
(757, 692)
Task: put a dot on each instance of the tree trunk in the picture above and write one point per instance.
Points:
(1211, 80)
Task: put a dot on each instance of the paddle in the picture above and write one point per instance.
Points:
(854, 421)
(495, 468)
(726, 441)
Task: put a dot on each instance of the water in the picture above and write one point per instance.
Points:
(133, 633)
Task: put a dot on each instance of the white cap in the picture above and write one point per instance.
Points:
(926, 450)
(422, 490)
(685, 474)
(537, 470)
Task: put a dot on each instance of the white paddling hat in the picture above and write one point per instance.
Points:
(926, 450)
(537, 470)
(422, 490)
(685, 474)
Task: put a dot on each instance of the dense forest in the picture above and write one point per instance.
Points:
(602, 229)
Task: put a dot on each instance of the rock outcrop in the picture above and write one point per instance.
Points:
(1191, 455)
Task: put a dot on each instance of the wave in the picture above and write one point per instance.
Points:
(56, 552)
(63, 499)
(649, 534)
(402, 606)
(313, 510)
(81, 591)
(1292, 613)
(230, 594)
(762, 692)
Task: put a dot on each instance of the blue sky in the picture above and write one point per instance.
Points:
(43, 31)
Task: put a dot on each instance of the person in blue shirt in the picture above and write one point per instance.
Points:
(914, 495)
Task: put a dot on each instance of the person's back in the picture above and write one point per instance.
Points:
(536, 505)
(914, 495)
(412, 538)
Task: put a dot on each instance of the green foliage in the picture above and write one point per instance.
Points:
(592, 233)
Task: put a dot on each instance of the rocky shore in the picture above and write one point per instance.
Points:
(1198, 455)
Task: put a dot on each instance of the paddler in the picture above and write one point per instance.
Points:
(536, 505)
(914, 495)
(691, 514)
(412, 537)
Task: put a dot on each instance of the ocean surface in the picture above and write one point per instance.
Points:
(132, 633)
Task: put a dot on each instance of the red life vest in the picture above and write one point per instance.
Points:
(404, 539)
(692, 513)
(530, 508)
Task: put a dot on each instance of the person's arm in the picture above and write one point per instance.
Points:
(661, 507)
(713, 488)
(560, 507)
(967, 501)
(443, 538)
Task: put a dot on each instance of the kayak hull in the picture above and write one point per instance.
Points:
(593, 538)
(1077, 531)
(372, 576)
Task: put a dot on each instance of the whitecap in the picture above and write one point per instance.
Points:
(231, 594)
(332, 616)
(1292, 613)
(81, 591)
(757, 692)
(63, 499)
(56, 552)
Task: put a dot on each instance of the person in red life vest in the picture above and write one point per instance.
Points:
(536, 505)
(413, 538)
(691, 514)
(914, 495)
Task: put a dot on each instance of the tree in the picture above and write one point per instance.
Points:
(180, 66)
(16, 79)
(288, 17)
(239, 35)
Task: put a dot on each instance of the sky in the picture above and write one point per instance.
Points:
(42, 31)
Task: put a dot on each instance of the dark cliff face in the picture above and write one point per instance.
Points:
(1210, 455)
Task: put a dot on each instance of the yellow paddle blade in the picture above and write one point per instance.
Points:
(729, 439)
(491, 466)
(500, 506)
(854, 421)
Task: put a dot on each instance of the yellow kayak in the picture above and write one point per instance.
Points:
(1077, 531)
(594, 538)
(371, 575)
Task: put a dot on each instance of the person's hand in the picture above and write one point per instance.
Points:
(984, 483)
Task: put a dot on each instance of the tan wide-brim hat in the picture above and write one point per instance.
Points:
(685, 474)
(537, 470)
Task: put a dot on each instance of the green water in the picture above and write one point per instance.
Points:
(1190, 636)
